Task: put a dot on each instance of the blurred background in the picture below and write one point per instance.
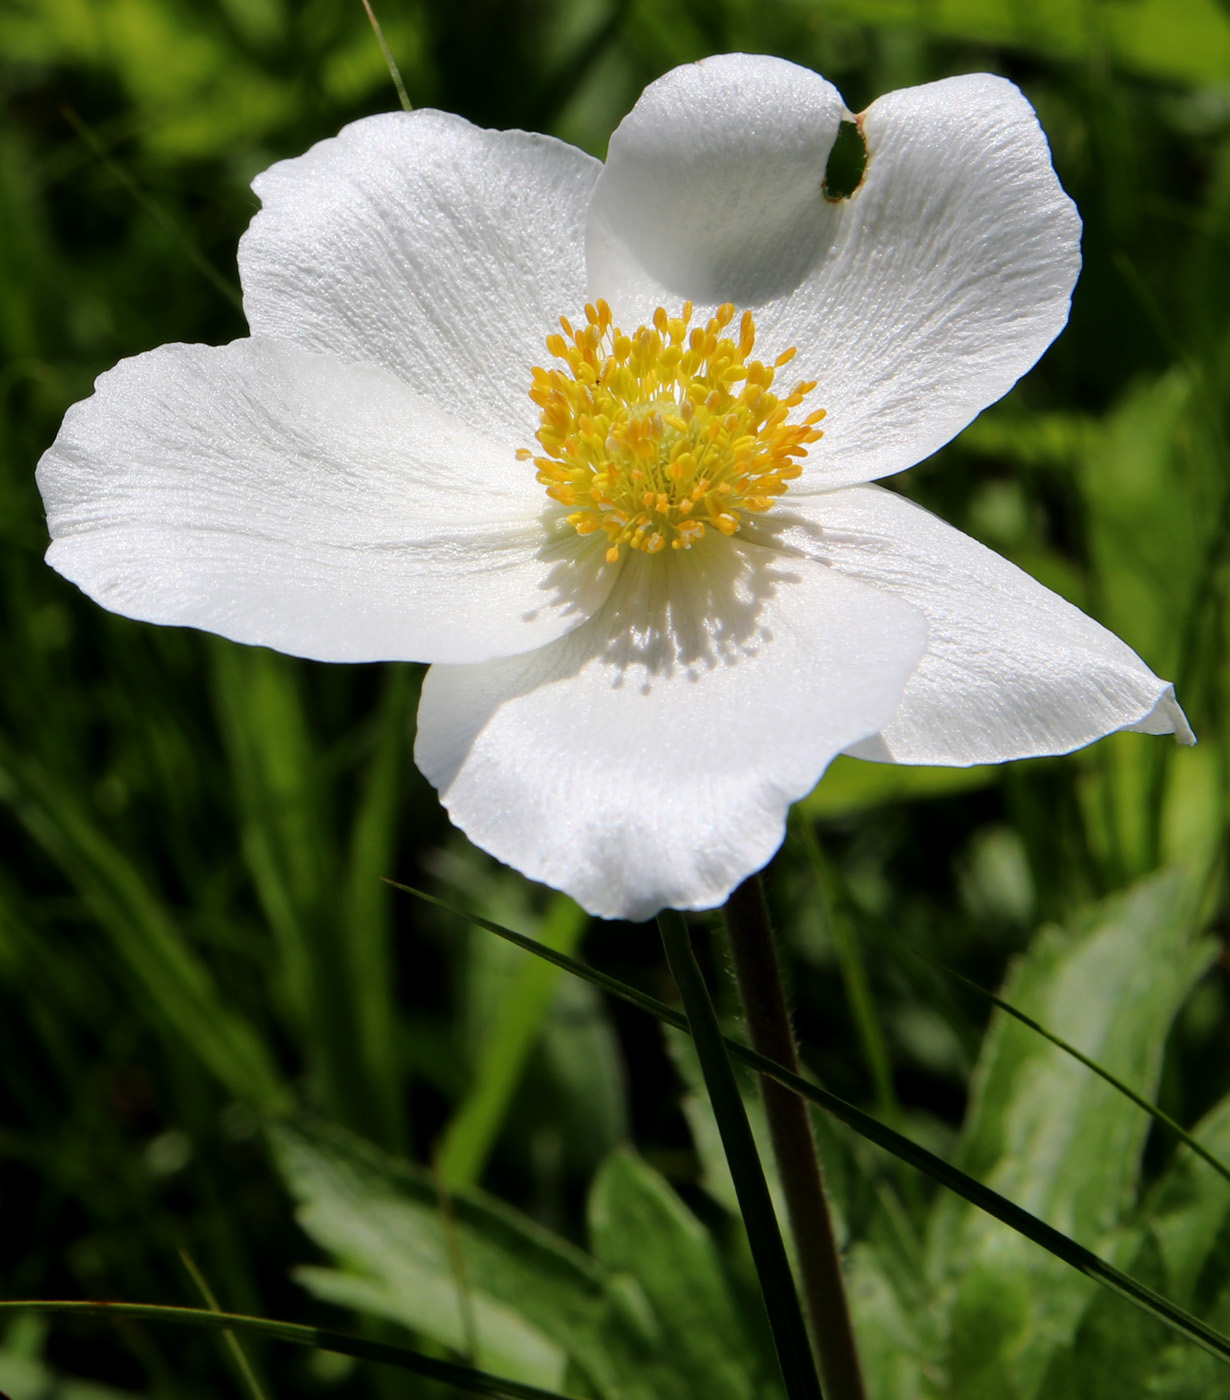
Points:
(194, 939)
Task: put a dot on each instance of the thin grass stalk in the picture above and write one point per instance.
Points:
(234, 1345)
(390, 61)
(999, 1207)
(811, 1222)
(1147, 1106)
(463, 1378)
(768, 1251)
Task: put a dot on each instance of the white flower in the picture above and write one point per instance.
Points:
(347, 484)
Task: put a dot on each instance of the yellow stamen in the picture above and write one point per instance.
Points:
(658, 436)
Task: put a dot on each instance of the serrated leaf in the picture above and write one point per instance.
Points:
(998, 1207)
(429, 1304)
(381, 1221)
(640, 1227)
(1189, 1216)
(1055, 1138)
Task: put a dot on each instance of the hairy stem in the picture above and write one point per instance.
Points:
(772, 1265)
(768, 1020)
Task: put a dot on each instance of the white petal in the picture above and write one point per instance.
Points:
(648, 759)
(914, 303)
(950, 271)
(712, 188)
(441, 251)
(1011, 669)
(286, 499)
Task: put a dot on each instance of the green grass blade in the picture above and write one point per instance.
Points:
(1154, 1112)
(285, 810)
(183, 997)
(390, 61)
(1022, 1221)
(234, 1345)
(155, 211)
(755, 1204)
(472, 1131)
(465, 1378)
(365, 918)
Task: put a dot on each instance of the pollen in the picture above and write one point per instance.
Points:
(662, 435)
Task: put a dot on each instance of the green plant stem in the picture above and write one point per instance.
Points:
(969, 1188)
(1157, 1114)
(465, 1378)
(777, 1284)
(390, 61)
(235, 1346)
(794, 1146)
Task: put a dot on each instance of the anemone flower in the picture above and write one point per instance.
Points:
(595, 441)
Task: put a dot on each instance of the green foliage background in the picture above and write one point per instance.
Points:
(194, 940)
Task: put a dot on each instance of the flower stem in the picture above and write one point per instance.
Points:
(764, 1003)
(773, 1267)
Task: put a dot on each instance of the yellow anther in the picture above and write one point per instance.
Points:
(642, 432)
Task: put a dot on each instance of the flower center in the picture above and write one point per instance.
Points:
(658, 436)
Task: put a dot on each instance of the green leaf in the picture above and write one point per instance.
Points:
(1183, 1373)
(1145, 1105)
(995, 1205)
(896, 1336)
(535, 1300)
(1189, 1217)
(639, 1227)
(382, 1222)
(583, 1072)
(1058, 1140)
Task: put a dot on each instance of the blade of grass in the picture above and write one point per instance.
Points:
(181, 993)
(758, 975)
(466, 1378)
(1022, 1221)
(234, 1346)
(1154, 1112)
(394, 71)
(284, 805)
(153, 210)
(755, 1204)
(367, 907)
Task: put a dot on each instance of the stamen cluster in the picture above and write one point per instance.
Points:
(658, 436)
